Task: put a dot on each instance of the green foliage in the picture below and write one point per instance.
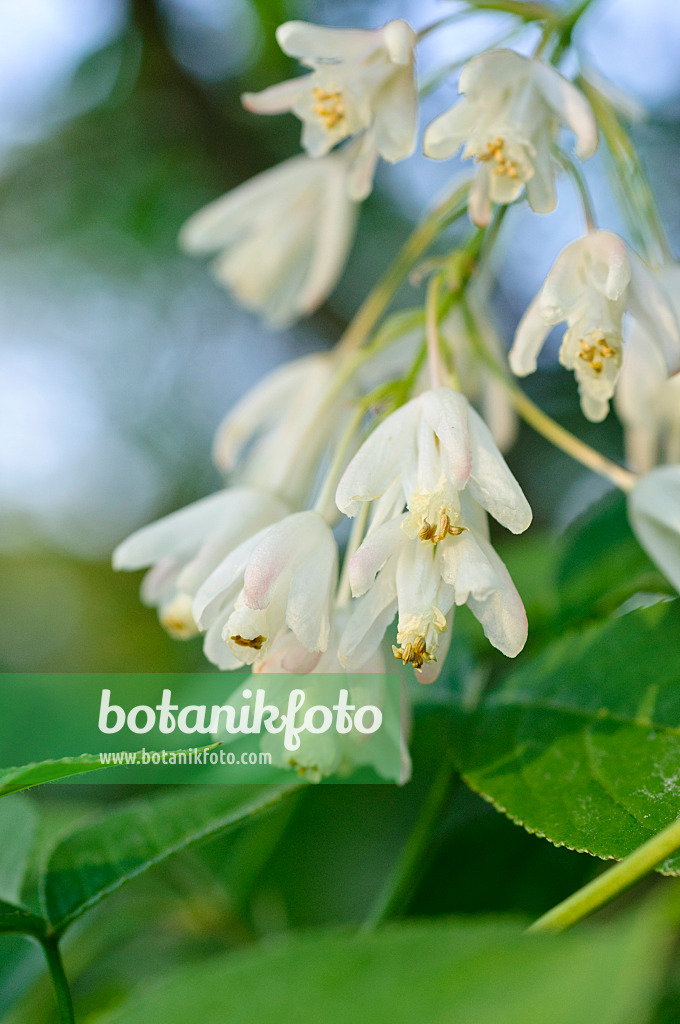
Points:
(582, 743)
(468, 971)
(97, 858)
(601, 563)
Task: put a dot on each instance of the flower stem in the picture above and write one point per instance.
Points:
(375, 304)
(59, 980)
(402, 882)
(432, 329)
(580, 186)
(565, 440)
(544, 424)
(337, 465)
(612, 882)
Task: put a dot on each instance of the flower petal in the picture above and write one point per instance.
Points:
(654, 513)
(446, 133)
(370, 617)
(570, 105)
(318, 42)
(652, 309)
(278, 98)
(373, 553)
(491, 483)
(179, 534)
(446, 413)
(380, 459)
(529, 339)
(396, 116)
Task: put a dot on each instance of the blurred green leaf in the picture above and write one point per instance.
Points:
(481, 972)
(601, 563)
(18, 919)
(13, 780)
(18, 827)
(97, 858)
(582, 744)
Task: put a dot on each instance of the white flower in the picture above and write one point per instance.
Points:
(185, 546)
(437, 456)
(647, 399)
(283, 576)
(593, 283)
(509, 121)
(282, 238)
(654, 513)
(361, 81)
(276, 434)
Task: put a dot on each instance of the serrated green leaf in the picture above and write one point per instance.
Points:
(601, 563)
(19, 920)
(467, 971)
(14, 780)
(97, 858)
(582, 744)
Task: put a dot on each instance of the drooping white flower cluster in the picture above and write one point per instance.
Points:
(436, 456)
(254, 568)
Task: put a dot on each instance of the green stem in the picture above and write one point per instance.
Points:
(524, 9)
(580, 186)
(401, 884)
(417, 244)
(59, 980)
(612, 882)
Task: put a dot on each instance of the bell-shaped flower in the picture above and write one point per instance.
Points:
(508, 121)
(654, 513)
(647, 400)
(594, 282)
(282, 238)
(361, 81)
(283, 576)
(185, 546)
(276, 434)
(436, 456)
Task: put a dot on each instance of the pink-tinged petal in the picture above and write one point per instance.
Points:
(176, 535)
(312, 588)
(160, 582)
(372, 555)
(225, 580)
(275, 555)
(570, 106)
(380, 459)
(491, 483)
(310, 42)
(446, 413)
(216, 648)
(277, 99)
(654, 513)
(529, 339)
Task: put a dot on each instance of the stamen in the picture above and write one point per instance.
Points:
(413, 653)
(329, 106)
(593, 349)
(255, 644)
(428, 531)
(495, 151)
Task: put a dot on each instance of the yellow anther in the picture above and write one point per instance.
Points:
(329, 106)
(255, 644)
(413, 654)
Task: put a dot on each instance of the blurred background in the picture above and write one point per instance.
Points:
(119, 356)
